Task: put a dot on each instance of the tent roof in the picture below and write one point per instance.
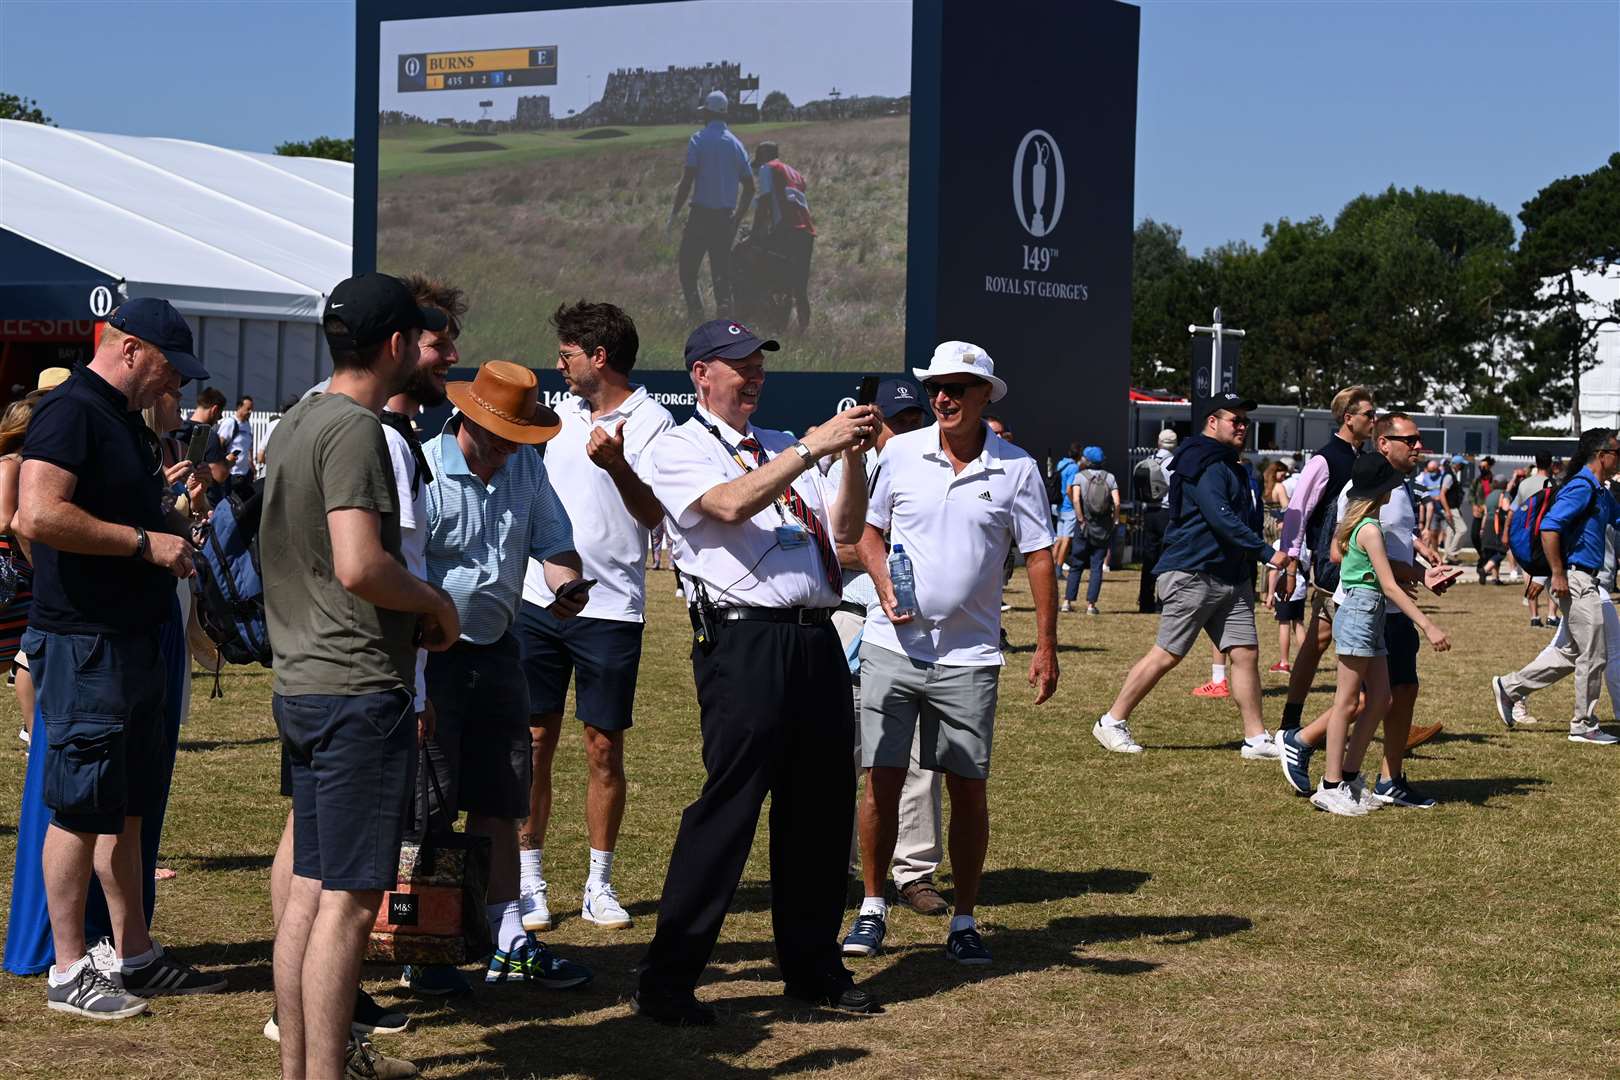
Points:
(215, 231)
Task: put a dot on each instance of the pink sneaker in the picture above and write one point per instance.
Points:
(1280, 668)
(1213, 690)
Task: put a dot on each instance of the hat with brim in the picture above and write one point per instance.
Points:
(962, 358)
(52, 377)
(504, 399)
(1372, 476)
(725, 339)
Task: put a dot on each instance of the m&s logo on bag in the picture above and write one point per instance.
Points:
(402, 909)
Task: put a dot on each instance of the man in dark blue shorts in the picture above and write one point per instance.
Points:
(104, 569)
(344, 615)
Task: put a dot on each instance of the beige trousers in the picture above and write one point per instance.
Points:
(1584, 652)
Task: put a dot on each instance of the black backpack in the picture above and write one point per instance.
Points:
(1324, 571)
(229, 588)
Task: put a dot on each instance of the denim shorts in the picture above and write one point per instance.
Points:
(353, 767)
(479, 754)
(101, 699)
(1358, 625)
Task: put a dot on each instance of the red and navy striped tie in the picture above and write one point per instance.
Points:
(830, 567)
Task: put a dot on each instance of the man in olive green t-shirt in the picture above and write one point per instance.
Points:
(342, 612)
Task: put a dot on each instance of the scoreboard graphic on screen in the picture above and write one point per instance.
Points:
(478, 69)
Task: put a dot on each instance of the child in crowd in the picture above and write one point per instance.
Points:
(1289, 604)
(1367, 585)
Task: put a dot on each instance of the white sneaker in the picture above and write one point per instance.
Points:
(601, 906)
(536, 912)
(1358, 792)
(1589, 732)
(1261, 747)
(22, 733)
(1521, 713)
(1115, 737)
(1066, 607)
(104, 958)
(1337, 801)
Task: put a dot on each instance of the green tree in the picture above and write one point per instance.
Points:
(777, 106)
(15, 107)
(1571, 236)
(1163, 302)
(324, 146)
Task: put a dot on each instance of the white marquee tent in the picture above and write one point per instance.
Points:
(245, 245)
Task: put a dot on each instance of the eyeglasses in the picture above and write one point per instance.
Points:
(952, 390)
(1235, 421)
(1410, 440)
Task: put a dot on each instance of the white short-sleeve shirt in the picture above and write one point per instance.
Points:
(412, 529)
(741, 564)
(957, 529)
(613, 544)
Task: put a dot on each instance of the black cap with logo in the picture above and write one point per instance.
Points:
(373, 307)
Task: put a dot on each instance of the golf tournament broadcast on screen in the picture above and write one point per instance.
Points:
(686, 161)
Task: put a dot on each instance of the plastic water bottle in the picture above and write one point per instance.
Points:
(905, 586)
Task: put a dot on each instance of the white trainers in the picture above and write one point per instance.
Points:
(1521, 713)
(1358, 792)
(536, 912)
(1589, 732)
(1338, 801)
(601, 906)
(1261, 747)
(1115, 737)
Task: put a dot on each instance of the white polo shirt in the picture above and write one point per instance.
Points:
(741, 565)
(612, 543)
(956, 528)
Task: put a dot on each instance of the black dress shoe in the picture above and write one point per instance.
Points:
(845, 997)
(678, 1012)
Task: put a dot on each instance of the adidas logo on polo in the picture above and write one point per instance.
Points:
(985, 495)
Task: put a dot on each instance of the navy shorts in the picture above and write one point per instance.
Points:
(101, 698)
(353, 768)
(1402, 641)
(603, 654)
(479, 753)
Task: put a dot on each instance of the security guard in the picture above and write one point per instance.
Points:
(754, 525)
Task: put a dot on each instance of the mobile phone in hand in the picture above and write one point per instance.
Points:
(197, 448)
(575, 587)
(868, 392)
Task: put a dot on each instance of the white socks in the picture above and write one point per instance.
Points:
(1108, 720)
(601, 870)
(875, 905)
(530, 879)
(70, 974)
(506, 925)
(1217, 673)
(962, 922)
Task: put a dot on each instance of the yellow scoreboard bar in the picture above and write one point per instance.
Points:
(478, 69)
(456, 63)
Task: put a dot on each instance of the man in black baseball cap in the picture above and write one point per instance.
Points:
(371, 308)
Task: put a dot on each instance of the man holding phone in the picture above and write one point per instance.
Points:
(490, 509)
(607, 426)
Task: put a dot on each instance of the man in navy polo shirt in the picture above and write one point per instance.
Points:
(104, 570)
(716, 170)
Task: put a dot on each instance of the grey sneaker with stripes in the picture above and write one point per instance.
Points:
(166, 975)
(86, 992)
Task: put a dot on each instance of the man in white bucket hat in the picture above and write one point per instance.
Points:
(954, 496)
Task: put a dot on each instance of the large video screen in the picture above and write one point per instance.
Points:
(686, 161)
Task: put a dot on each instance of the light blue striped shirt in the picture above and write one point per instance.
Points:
(721, 164)
(481, 537)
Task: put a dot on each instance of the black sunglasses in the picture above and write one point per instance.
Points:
(1409, 440)
(952, 390)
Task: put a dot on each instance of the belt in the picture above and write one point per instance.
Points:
(852, 607)
(1584, 569)
(801, 616)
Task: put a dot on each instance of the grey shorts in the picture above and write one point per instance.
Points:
(956, 707)
(1358, 626)
(1322, 605)
(1193, 602)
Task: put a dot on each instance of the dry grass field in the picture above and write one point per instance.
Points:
(1177, 914)
(550, 218)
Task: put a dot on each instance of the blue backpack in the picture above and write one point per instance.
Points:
(1524, 528)
(228, 589)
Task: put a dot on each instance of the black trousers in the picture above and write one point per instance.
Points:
(1153, 526)
(777, 720)
(708, 232)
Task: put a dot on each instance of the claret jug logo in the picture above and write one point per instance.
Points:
(1038, 183)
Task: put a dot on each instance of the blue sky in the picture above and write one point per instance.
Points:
(1247, 111)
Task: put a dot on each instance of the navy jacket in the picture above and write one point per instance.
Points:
(1211, 514)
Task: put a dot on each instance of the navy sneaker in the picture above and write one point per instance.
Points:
(1397, 792)
(967, 947)
(537, 965)
(440, 980)
(1295, 760)
(865, 937)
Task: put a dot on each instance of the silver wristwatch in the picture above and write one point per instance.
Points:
(804, 452)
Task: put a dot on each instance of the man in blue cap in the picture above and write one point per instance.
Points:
(92, 492)
(754, 523)
(917, 849)
(720, 183)
(1094, 494)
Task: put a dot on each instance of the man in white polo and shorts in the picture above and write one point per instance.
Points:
(956, 497)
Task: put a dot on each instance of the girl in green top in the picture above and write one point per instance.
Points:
(1367, 585)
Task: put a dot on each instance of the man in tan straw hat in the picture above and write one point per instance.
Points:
(490, 509)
